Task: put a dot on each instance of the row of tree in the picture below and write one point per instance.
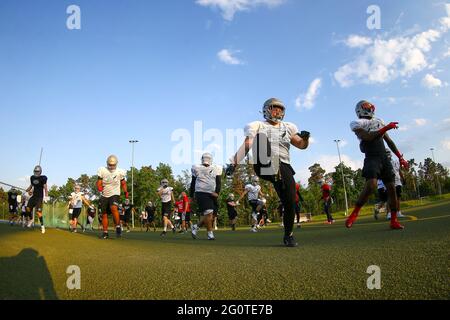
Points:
(423, 179)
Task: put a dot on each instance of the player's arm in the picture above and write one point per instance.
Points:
(242, 196)
(301, 140)
(29, 188)
(173, 197)
(366, 135)
(395, 150)
(218, 186)
(192, 189)
(85, 201)
(123, 184)
(45, 190)
(100, 184)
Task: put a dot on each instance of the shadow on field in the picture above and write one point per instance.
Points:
(26, 277)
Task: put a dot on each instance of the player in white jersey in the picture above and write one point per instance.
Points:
(165, 192)
(76, 201)
(398, 185)
(205, 187)
(111, 180)
(26, 220)
(271, 141)
(253, 192)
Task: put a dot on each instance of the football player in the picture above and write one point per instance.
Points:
(150, 210)
(13, 205)
(111, 180)
(165, 192)
(270, 141)
(372, 133)
(398, 184)
(205, 187)
(253, 191)
(40, 193)
(128, 210)
(327, 202)
(298, 203)
(76, 201)
(232, 212)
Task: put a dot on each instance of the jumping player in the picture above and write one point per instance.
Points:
(111, 180)
(271, 141)
(372, 132)
(40, 192)
(205, 186)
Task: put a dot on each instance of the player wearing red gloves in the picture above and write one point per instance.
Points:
(372, 132)
(110, 182)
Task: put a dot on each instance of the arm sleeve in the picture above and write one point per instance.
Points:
(218, 184)
(192, 189)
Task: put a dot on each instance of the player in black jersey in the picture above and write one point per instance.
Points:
(40, 192)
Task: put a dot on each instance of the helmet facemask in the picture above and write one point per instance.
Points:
(268, 110)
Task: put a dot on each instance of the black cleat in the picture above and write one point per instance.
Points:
(163, 234)
(174, 230)
(119, 232)
(105, 236)
(290, 242)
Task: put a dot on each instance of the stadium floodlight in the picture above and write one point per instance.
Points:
(343, 177)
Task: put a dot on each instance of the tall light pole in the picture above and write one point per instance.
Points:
(437, 176)
(133, 142)
(343, 177)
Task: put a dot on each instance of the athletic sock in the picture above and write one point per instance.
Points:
(356, 211)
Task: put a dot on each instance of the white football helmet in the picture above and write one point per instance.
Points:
(365, 109)
(37, 171)
(255, 180)
(267, 110)
(207, 159)
(112, 163)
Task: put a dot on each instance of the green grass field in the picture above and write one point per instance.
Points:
(331, 262)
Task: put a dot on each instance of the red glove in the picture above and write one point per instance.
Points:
(390, 126)
(403, 162)
(100, 186)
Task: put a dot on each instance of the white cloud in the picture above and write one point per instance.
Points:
(403, 128)
(420, 122)
(355, 41)
(446, 144)
(431, 82)
(329, 162)
(230, 7)
(227, 56)
(386, 59)
(307, 100)
(312, 140)
(447, 54)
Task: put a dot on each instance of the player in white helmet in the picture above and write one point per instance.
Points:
(165, 192)
(76, 201)
(150, 211)
(232, 212)
(40, 192)
(254, 193)
(270, 141)
(372, 133)
(111, 181)
(13, 205)
(205, 187)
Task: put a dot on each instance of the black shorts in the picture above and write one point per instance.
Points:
(127, 217)
(232, 215)
(12, 209)
(35, 202)
(205, 202)
(399, 190)
(150, 219)
(379, 168)
(75, 213)
(254, 204)
(166, 209)
(106, 204)
(382, 195)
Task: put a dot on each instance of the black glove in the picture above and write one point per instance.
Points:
(304, 135)
(229, 171)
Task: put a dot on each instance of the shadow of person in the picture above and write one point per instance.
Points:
(26, 277)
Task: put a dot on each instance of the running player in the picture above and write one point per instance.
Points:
(165, 192)
(232, 212)
(40, 192)
(372, 132)
(271, 141)
(150, 210)
(76, 201)
(205, 186)
(129, 211)
(253, 192)
(111, 180)
(13, 205)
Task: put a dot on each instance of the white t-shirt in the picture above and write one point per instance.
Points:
(111, 181)
(75, 200)
(370, 125)
(279, 137)
(252, 192)
(166, 195)
(206, 177)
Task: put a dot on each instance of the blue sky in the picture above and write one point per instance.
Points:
(143, 69)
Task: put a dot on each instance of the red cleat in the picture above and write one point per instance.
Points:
(395, 225)
(351, 220)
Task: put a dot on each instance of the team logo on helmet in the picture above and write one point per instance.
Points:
(268, 107)
(365, 109)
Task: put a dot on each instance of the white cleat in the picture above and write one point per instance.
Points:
(43, 229)
(400, 215)
(194, 232)
(253, 230)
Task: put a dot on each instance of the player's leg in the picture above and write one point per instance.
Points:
(393, 204)
(369, 188)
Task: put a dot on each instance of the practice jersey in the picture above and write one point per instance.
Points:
(12, 198)
(396, 166)
(206, 177)
(111, 181)
(150, 211)
(38, 184)
(127, 208)
(375, 147)
(76, 200)
(279, 137)
(180, 206)
(188, 203)
(166, 195)
(252, 192)
(144, 215)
